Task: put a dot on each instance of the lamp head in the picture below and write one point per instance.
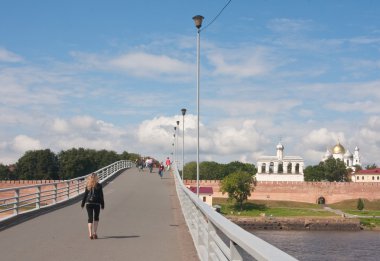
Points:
(177, 123)
(198, 19)
(183, 111)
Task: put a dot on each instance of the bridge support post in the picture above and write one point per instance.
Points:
(55, 193)
(38, 197)
(67, 190)
(16, 203)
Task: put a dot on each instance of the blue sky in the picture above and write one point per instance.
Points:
(115, 74)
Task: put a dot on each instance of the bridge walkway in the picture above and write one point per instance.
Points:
(142, 220)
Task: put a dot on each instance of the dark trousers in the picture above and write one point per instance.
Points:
(93, 211)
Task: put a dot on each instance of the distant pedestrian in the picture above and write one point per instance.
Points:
(161, 169)
(167, 163)
(93, 198)
(141, 164)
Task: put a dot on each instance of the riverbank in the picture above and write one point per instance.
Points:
(297, 223)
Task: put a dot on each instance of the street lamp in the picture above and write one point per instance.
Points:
(177, 142)
(175, 145)
(183, 139)
(198, 24)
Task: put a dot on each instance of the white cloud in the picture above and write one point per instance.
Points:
(243, 107)
(216, 142)
(22, 143)
(285, 25)
(82, 122)
(145, 64)
(60, 125)
(322, 137)
(7, 56)
(243, 62)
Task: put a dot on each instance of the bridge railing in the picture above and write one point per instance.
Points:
(217, 238)
(19, 200)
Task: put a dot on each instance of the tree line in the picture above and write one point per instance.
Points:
(69, 164)
(331, 170)
(210, 170)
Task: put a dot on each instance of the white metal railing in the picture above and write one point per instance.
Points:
(217, 238)
(17, 200)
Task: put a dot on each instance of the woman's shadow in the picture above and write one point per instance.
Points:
(117, 237)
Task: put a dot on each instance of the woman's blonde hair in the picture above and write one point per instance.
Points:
(91, 181)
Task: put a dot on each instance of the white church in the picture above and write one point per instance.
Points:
(339, 152)
(280, 167)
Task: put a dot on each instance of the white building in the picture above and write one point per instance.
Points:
(280, 167)
(339, 152)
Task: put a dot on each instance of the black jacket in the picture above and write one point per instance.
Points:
(99, 191)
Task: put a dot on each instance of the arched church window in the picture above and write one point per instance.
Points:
(289, 168)
(263, 167)
(271, 167)
(297, 168)
(280, 168)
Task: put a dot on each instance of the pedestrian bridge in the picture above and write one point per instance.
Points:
(145, 218)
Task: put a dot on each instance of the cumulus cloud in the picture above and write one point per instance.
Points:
(8, 56)
(244, 107)
(22, 143)
(363, 106)
(216, 142)
(285, 25)
(60, 126)
(323, 137)
(246, 62)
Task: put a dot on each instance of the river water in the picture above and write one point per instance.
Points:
(325, 245)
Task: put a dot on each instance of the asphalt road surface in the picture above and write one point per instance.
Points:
(142, 220)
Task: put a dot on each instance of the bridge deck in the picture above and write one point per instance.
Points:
(142, 220)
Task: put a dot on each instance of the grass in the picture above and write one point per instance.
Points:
(255, 208)
(371, 208)
(272, 208)
(352, 204)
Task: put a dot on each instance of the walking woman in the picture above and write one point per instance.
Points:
(94, 200)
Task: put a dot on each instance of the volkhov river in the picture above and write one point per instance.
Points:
(325, 245)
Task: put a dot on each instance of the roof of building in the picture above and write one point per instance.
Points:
(202, 190)
(338, 149)
(368, 171)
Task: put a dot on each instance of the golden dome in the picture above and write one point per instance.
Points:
(338, 149)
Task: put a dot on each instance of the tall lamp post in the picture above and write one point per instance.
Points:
(183, 139)
(175, 145)
(198, 19)
(177, 142)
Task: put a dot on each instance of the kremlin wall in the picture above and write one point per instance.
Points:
(308, 192)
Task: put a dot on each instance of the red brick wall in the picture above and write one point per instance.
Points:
(304, 191)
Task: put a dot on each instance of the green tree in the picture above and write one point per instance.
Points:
(104, 158)
(373, 166)
(76, 162)
(360, 205)
(238, 185)
(335, 170)
(38, 164)
(209, 170)
(314, 173)
(6, 173)
(190, 171)
(357, 168)
(235, 166)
